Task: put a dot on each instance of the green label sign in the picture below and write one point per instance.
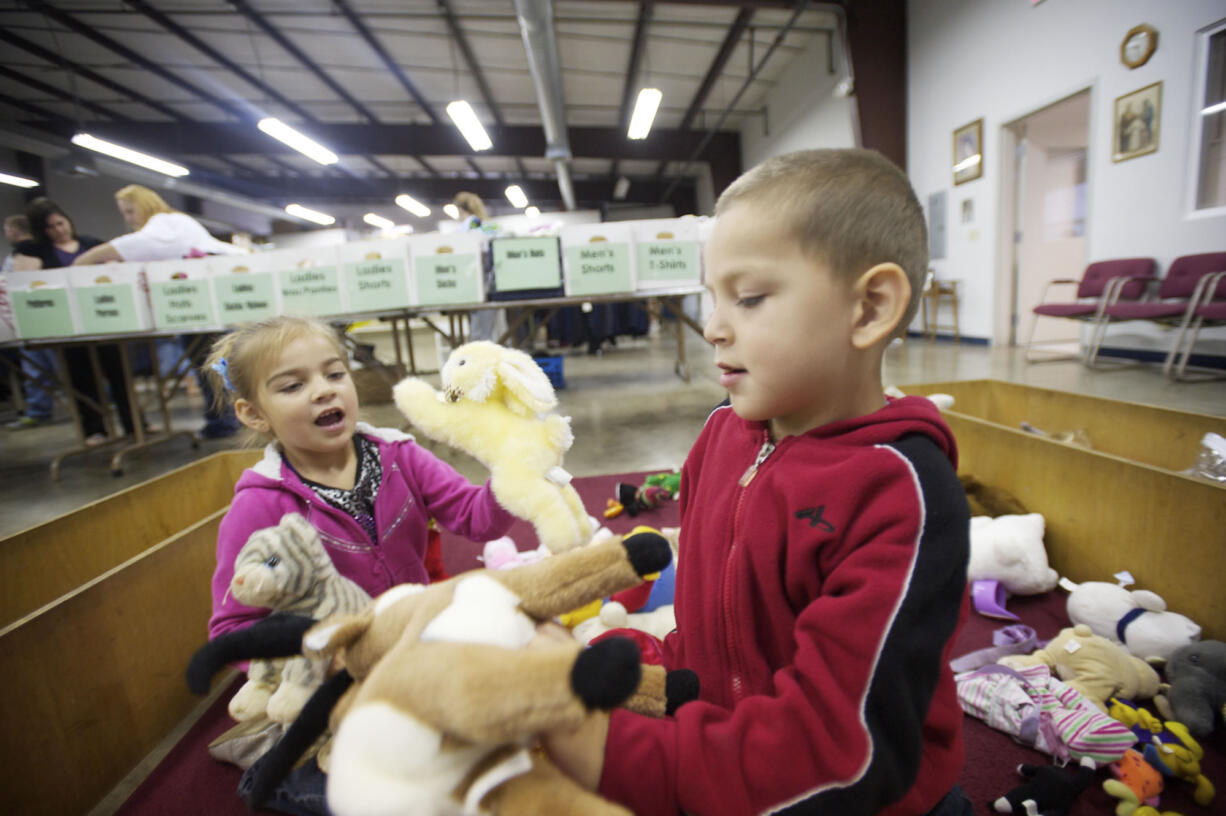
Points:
(669, 261)
(443, 279)
(310, 292)
(598, 269)
(43, 313)
(107, 308)
(526, 263)
(376, 285)
(244, 297)
(181, 303)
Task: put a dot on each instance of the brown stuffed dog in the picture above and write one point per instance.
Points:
(446, 700)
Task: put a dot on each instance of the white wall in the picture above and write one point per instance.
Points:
(802, 112)
(1002, 60)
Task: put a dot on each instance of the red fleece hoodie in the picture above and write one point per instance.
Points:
(818, 597)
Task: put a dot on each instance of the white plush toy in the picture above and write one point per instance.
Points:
(1138, 619)
(613, 615)
(1009, 549)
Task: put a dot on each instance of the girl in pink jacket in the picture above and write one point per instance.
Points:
(370, 492)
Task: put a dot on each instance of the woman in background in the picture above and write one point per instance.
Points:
(160, 233)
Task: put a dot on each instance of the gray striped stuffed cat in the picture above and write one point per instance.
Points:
(286, 569)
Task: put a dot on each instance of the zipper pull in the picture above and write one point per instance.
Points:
(768, 447)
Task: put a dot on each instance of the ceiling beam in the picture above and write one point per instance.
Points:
(61, 94)
(222, 138)
(365, 33)
(637, 47)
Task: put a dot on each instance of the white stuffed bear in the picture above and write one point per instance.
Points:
(1009, 549)
(1138, 620)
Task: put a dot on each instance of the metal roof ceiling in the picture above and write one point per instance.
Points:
(371, 78)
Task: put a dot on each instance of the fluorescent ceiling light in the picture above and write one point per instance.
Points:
(407, 202)
(969, 161)
(621, 188)
(17, 181)
(515, 195)
(532, 212)
(314, 216)
(452, 211)
(302, 143)
(379, 221)
(1213, 109)
(466, 120)
(644, 113)
(129, 155)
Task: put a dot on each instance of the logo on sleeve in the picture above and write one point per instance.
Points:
(814, 515)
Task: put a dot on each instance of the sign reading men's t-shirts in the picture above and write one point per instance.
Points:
(41, 303)
(667, 250)
(447, 269)
(181, 294)
(110, 298)
(376, 274)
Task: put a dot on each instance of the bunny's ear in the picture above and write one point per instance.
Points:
(523, 378)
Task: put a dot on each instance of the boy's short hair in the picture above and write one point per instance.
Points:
(852, 208)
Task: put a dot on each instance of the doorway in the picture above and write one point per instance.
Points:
(1044, 209)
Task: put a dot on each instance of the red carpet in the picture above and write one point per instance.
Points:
(188, 782)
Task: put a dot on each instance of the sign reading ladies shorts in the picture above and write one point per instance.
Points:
(598, 259)
(111, 298)
(667, 251)
(310, 281)
(244, 289)
(42, 304)
(181, 294)
(447, 269)
(376, 274)
(523, 264)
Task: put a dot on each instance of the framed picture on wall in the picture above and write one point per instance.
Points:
(1138, 116)
(968, 152)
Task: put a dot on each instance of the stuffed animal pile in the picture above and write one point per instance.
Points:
(1138, 619)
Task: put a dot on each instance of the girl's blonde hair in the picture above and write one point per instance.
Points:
(146, 202)
(472, 204)
(238, 360)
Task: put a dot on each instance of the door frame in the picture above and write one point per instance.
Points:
(1005, 331)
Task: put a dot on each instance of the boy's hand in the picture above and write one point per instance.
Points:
(578, 752)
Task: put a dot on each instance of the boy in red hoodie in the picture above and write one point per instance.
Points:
(822, 572)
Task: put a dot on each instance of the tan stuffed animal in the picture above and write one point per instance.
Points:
(1092, 665)
(495, 405)
(446, 698)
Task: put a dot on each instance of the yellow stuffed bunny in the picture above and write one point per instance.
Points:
(496, 405)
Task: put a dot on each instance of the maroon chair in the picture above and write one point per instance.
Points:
(1208, 309)
(1122, 278)
(1174, 304)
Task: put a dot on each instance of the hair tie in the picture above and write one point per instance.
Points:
(223, 370)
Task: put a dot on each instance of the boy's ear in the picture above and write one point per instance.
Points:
(249, 414)
(882, 295)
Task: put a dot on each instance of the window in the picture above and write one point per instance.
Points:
(1211, 127)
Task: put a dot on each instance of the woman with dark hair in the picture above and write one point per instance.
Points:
(55, 244)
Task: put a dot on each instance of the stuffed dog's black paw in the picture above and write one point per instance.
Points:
(680, 687)
(648, 552)
(606, 673)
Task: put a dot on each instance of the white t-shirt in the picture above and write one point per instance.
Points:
(167, 236)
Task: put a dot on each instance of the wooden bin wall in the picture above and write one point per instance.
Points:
(95, 680)
(44, 562)
(1143, 433)
(1105, 513)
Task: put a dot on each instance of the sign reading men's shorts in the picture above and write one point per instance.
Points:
(42, 305)
(310, 281)
(181, 294)
(447, 269)
(376, 274)
(110, 298)
(598, 259)
(243, 287)
(526, 264)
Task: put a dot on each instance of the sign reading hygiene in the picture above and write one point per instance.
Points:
(181, 303)
(311, 291)
(108, 308)
(526, 263)
(244, 297)
(42, 313)
(599, 268)
(445, 278)
(668, 261)
(376, 284)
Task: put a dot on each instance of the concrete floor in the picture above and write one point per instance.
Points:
(629, 412)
